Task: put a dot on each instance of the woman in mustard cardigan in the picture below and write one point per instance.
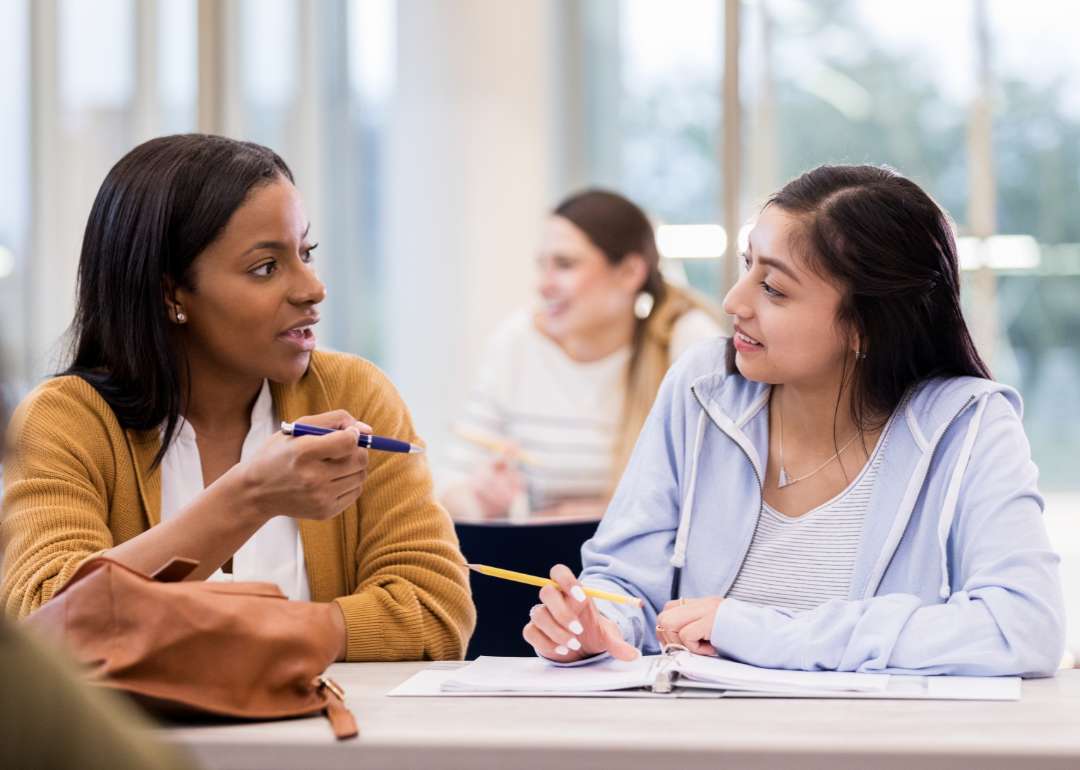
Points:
(193, 340)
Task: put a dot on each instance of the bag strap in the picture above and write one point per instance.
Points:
(341, 719)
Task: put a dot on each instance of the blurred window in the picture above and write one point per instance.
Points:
(177, 38)
(270, 34)
(14, 175)
(861, 81)
(671, 69)
(1036, 65)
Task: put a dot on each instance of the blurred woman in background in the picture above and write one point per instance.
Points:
(563, 390)
(560, 398)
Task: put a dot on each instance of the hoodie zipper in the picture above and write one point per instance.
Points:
(760, 483)
(929, 470)
(736, 443)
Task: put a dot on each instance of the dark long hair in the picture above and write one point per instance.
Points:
(892, 251)
(159, 207)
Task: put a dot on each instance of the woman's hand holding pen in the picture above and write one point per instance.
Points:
(689, 622)
(567, 627)
(307, 477)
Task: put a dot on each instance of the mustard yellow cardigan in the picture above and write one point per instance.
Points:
(77, 484)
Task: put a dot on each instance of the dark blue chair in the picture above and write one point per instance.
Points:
(502, 606)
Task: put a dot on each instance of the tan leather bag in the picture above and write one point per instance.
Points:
(230, 649)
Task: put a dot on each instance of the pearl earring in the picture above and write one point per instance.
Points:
(181, 317)
(643, 304)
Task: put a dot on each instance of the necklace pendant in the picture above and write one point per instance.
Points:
(784, 479)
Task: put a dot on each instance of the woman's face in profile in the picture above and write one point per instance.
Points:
(582, 292)
(785, 315)
(255, 293)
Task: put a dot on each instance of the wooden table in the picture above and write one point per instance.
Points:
(1041, 731)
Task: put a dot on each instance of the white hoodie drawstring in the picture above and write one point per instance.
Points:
(952, 495)
(678, 559)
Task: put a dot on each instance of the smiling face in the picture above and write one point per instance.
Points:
(583, 293)
(786, 331)
(251, 309)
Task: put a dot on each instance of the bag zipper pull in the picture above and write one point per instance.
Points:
(332, 686)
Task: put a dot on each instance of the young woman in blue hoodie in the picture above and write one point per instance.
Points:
(841, 486)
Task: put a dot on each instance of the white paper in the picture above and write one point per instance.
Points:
(973, 687)
(489, 674)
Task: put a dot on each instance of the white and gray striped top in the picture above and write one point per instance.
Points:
(801, 563)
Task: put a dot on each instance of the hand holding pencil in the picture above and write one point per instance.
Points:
(567, 627)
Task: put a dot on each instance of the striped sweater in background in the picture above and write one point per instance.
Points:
(563, 413)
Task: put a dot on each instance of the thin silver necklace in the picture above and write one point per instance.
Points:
(785, 479)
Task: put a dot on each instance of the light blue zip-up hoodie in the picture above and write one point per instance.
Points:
(954, 572)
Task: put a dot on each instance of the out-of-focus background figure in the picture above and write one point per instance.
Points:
(563, 390)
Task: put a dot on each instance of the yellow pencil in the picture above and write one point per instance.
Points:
(499, 446)
(521, 577)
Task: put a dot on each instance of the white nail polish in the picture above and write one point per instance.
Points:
(560, 650)
(574, 644)
(576, 627)
(578, 593)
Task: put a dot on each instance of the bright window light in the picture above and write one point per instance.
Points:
(969, 250)
(691, 241)
(1011, 252)
(743, 241)
(999, 252)
(7, 262)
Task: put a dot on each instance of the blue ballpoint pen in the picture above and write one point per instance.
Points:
(366, 439)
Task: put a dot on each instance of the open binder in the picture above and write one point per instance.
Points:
(676, 666)
(679, 673)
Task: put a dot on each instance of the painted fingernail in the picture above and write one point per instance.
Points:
(577, 628)
(578, 593)
(574, 644)
(560, 650)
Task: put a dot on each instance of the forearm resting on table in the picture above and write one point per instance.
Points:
(210, 529)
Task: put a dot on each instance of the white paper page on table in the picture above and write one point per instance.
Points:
(740, 676)
(990, 688)
(973, 687)
(490, 674)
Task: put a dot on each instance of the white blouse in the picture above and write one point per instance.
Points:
(274, 554)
